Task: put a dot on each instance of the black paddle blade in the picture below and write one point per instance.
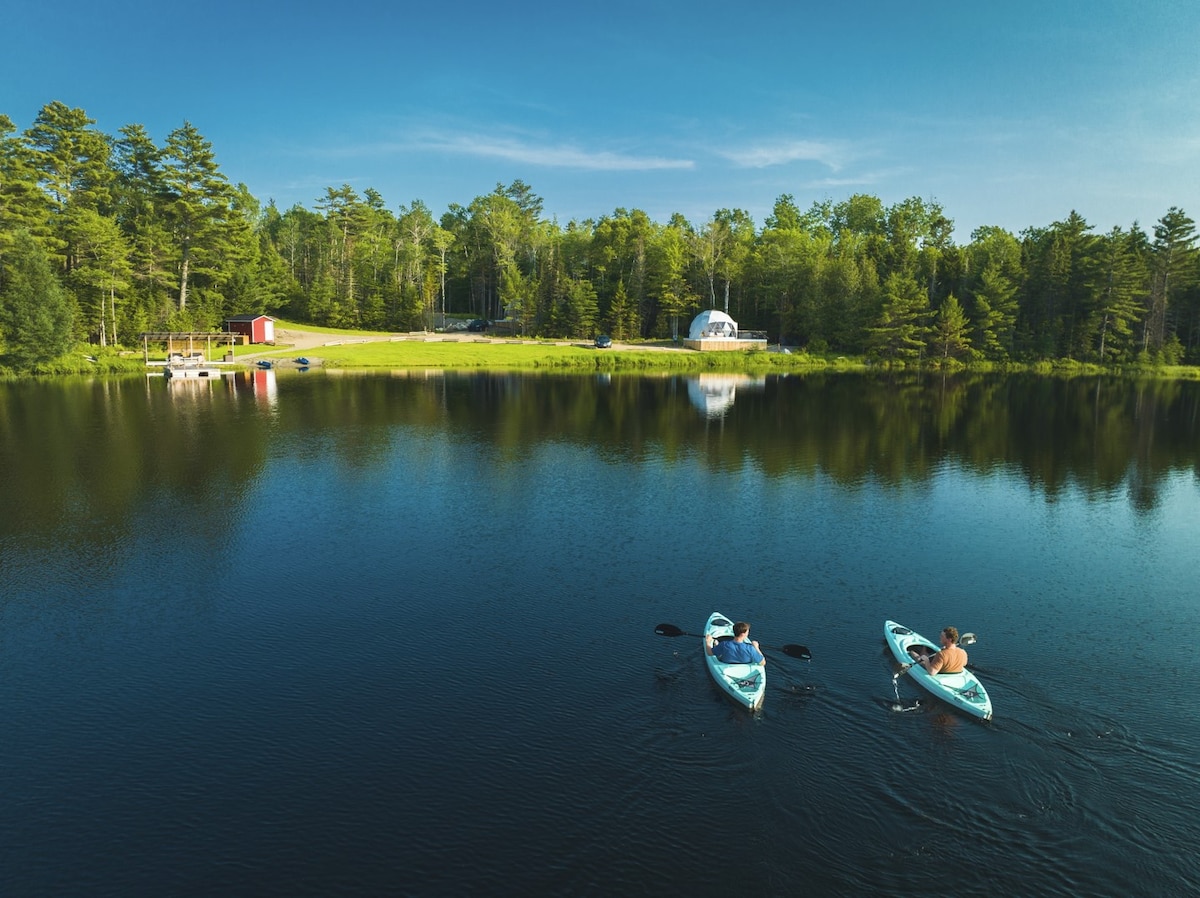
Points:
(797, 651)
(668, 630)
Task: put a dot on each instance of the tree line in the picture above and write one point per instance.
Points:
(103, 237)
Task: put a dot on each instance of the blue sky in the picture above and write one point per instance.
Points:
(1011, 114)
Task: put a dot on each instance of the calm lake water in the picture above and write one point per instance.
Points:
(320, 634)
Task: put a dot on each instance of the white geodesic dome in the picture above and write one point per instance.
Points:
(711, 324)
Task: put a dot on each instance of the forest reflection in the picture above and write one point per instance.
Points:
(94, 453)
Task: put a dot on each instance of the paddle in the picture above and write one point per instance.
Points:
(965, 639)
(791, 649)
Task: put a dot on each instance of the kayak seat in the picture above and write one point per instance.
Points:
(738, 671)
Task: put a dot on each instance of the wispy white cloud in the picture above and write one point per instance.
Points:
(765, 155)
(828, 183)
(547, 155)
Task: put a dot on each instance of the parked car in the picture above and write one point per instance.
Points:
(604, 341)
(479, 324)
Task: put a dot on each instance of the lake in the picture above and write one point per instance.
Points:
(393, 634)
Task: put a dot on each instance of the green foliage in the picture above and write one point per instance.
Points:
(580, 309)
(197, 207)
(23, 205)
(622, 318)
(950, 340)
(37, 315)
(901, 331)
(995, 312)
(1118, 276)
(101, 272)
(144, 236)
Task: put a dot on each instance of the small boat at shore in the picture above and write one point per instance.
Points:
(302, 361)
(263, 363)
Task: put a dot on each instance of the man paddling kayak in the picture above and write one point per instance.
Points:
(737, 650)
(949, 659)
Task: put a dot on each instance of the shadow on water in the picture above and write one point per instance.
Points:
(1102, 436)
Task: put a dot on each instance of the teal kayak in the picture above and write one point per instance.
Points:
(746, 684)
(963, 690)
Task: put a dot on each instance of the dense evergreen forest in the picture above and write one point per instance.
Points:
(103, 237)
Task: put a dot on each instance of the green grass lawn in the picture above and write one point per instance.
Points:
(499, 353)
(491, 352)
(417, 353)
(281, 325)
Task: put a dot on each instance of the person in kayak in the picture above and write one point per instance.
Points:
(738, 650)
(951, 658)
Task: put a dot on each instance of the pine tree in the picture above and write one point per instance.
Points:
(1174, 271)
(23, 206)
(139, 201)
(950, 333)
(996, 313)
(581, 310)
(198, 201)
(37, 315)
(72, 162)
(101, 271)
(901, 330)
(1120, 282)
(674, 295)
(622, 316)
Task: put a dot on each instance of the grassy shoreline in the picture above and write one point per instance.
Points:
(552, 357)
(504, 354)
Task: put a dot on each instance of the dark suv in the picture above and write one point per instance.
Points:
(479, 324)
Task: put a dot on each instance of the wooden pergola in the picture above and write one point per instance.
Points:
(182, 341)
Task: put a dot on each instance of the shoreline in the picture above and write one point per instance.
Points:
(479, 351)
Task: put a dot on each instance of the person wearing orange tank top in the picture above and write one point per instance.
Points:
(949, 659)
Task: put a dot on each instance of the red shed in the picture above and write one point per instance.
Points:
(257, 328)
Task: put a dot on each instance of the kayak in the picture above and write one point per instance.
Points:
(963, 690)
(745, 683)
